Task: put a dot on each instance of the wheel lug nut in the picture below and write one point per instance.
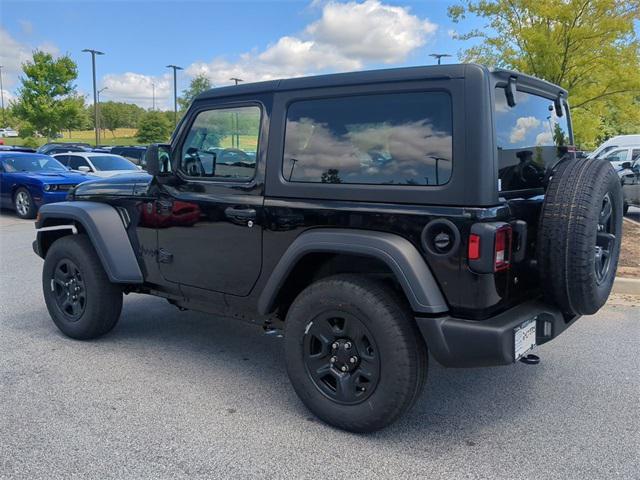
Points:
(347, 345)
(353, 359)
(344, 368)
(333, 359)
(335, 345)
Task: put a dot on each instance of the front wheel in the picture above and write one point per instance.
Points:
(354, 354)
(81, 300)
(23, 204)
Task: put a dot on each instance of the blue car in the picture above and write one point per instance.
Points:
(29, 180)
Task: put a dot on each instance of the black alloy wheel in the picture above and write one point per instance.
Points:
(341, 357)
(69, 289)
(605, 240)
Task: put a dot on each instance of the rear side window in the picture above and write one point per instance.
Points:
(531, 137)
(382, 139)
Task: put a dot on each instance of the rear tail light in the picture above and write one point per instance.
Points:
(502, 254)
(474, 246)
(489, 247)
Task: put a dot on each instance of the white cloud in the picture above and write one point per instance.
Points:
(371, 30)
(347, 36)
(13, 54)
(137, 88)
(522, 126)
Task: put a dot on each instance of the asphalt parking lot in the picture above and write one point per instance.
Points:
(172, 394)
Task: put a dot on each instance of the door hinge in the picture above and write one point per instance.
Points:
(164, 256)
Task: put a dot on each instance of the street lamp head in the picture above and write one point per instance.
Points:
(175, 67)
(95, 52)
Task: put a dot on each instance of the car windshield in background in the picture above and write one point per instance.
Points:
(36, 163)
(111, 162)
(531, 137)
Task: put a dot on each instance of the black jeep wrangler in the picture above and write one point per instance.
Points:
(378, 215)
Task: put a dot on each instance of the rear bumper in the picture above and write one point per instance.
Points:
(456, 342)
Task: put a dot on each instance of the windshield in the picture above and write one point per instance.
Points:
(111, 162)
(531, 137)
(32, 163)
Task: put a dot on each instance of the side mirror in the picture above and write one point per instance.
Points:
(84, 168)
(158, 159)
(626, 165)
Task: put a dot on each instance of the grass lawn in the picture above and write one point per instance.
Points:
(125, 136)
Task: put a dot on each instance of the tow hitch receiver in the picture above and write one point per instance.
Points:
(530, 359)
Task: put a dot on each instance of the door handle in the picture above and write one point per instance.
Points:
(244, 214)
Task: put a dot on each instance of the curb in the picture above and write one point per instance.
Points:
(627, 286)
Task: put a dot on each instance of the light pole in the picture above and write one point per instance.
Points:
(153, 96)
(175, 93)
(95, 92)
(4, 121)
(98, 102)
(439, 56)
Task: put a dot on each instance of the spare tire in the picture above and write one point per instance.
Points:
(579, 235)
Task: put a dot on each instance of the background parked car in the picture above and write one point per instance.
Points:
(29, 180)
(99, 164)
(8, 132)
(629, 173)
(619, 156)
(615, 142)
(135, 154)
(61, 147)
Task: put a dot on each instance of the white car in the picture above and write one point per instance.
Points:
(620, 155)
(8, 132)
(99, 164)
(619, 141)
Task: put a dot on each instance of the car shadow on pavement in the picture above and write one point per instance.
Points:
(454, 401)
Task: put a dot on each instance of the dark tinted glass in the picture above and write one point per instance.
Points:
(531, 137)
(76, 161)
(222, 143)
(31, 163)
(392, 139)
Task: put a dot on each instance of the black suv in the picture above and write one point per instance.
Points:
(374, 216)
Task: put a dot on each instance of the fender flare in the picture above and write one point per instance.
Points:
(400, 255)
(106, 231)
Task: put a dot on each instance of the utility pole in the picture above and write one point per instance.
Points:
(4, 118)
(95, 92)
(439, 56)
(175, 93)
(98, 99)
(153, 93)
(237, 134)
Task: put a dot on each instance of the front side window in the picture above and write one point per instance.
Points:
(222, 144)
(531, 137)
(617, 156)
(76, 162)
(382, 139)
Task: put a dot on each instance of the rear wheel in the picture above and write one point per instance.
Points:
(354, 354)
(81, 300)
(23, 203)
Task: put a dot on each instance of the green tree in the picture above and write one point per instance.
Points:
(154, 128)
(589, 47)
(112, 116)
(199, 84)
(47, 98)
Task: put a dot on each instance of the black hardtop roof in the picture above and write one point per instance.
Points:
(431, 72)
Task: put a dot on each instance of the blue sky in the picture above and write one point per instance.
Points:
(253, 40)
